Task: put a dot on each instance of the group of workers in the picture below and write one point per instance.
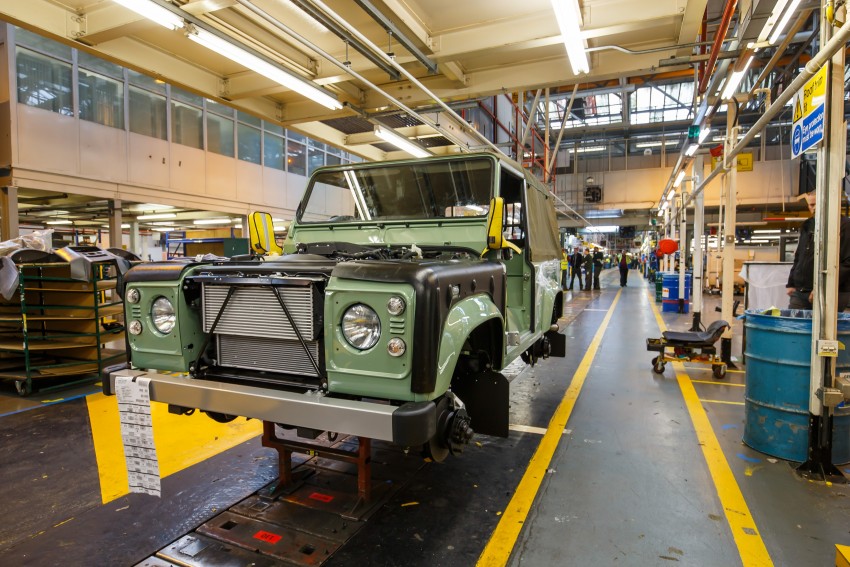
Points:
(592, 262)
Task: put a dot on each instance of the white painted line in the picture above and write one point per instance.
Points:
(530, 429)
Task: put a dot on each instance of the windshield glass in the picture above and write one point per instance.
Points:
(408, 191)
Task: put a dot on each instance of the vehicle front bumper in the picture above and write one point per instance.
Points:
(408, 425)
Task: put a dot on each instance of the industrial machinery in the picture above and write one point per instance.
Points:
(689, 346)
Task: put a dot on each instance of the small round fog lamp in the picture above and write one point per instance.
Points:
(396, 347)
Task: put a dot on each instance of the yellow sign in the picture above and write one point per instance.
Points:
(798, 109)
(811, 96)
(743, 162)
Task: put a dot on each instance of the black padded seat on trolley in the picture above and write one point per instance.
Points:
(696, 339)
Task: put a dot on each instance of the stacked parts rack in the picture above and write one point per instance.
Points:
(64, 316)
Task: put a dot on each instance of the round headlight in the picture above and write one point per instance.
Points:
(132, 295)
(395, 305)
(163, 315)
(361, 326)
(135, 327)
(396, 347)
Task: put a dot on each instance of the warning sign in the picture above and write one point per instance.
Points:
(808, 105)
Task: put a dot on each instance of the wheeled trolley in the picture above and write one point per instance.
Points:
(689, 346)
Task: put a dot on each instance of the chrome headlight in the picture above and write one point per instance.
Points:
(133, 295)
(135, 327)
(361, 326)
(163, 315)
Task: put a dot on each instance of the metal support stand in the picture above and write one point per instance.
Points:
(695, 322)
(289, 481)
(819, 465)
(726, 351)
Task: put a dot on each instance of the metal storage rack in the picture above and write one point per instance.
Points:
(59, 327)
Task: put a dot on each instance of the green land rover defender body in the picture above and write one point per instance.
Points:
(403, 289)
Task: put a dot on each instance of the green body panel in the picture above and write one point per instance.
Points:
(373, 372)
(464, 317)
(172, 352)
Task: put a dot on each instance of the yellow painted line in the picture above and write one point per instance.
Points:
(721, 402)
(181, 441)
(717, 382)
(504, 537)
(842, 556)
(750, 545)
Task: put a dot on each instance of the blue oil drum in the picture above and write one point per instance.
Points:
(776, 398)
(670, 292)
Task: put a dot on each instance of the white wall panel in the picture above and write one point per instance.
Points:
(47, 140)
(188, 170)
(148, 161)
(275, 188)
(295, 186)
(103, 152)
(221, 176)
(249, 182)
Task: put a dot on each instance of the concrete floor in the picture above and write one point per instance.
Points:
(629, 481)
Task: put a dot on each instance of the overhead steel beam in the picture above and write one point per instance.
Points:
(391, 28)
(340, 32)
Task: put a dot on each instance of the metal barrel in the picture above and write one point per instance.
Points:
(670, 291)
(776, 398)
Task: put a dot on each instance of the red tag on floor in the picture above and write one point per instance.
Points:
(321, 497)
(267, 536)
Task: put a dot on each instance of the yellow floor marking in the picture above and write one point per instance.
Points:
(721, 402)
(503, 539)
(744, 531)
(181, 441)
(842, 556)
(717, 382)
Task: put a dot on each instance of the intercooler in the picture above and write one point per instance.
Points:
(254, 333)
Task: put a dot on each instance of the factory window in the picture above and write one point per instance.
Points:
(315, 158)
(273, 152)
(147, 113)
(296, 157)
(148, 108)
(220, 129)
(101, 89)
(44, 82)
(331, 159)
(248, 137)
(187, 122)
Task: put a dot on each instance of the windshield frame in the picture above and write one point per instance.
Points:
(422, 172)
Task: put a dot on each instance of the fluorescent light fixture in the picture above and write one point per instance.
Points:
(678, 180)
(212, 221)
(122, 226)
(157, 216)
(692, 149)
(661, 212)
(703, 134)
(780, 27)
(154, 12)
(149, 207)
(656, 144)
(734, 80)
(237, 54)
(164, 223)
(399, 141)
(604, 214)
(587, 149)
(59, 222)
(767, 231)
(569, 21)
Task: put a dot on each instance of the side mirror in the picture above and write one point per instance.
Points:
(495, 225)
(261, 231)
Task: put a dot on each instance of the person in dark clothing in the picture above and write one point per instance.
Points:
(598, 256)
(623, 264)
(801, 278)
(576, 260)
(588, 269)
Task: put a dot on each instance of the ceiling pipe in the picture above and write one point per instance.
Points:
(366, 41)
(812, 66)
(719, 35)
(309, 44)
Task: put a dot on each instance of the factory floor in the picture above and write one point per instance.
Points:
(607, 463)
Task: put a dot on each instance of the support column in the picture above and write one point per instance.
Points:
(699, 220)
(9, 213)
(115, 240)
(683, 248)
(135, 239)
(728, 282)
(830, 175)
